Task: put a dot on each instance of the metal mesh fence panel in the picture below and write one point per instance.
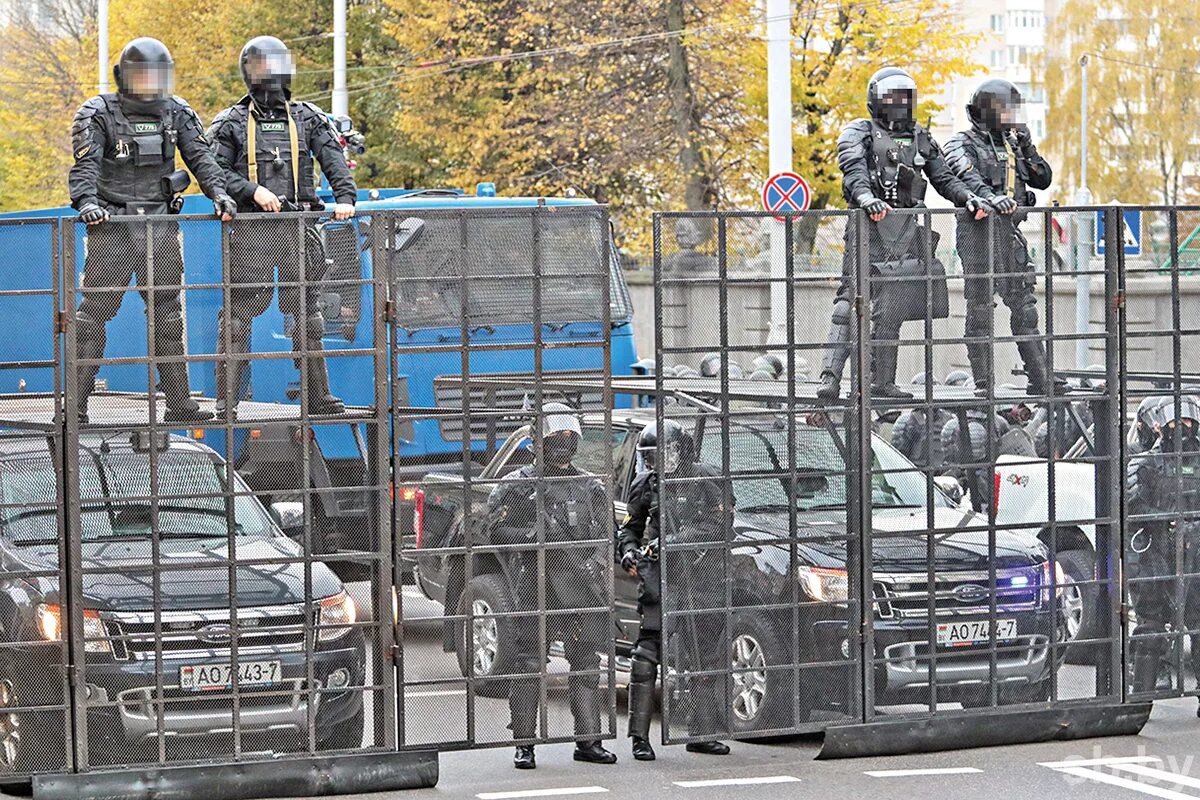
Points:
(507, 627)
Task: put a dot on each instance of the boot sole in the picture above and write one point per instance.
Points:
(587, 760)
(650, 757)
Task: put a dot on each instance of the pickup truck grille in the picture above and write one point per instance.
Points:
(904, 596)
(274, 627)
(448, 392)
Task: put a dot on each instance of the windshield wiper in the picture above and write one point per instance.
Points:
(763, 508)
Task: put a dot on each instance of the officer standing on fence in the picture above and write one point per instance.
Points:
(884, 162)
(576, 508)
(266, 143)
(124, 146)
(693, 512)
(1164, 482)
(999, 150)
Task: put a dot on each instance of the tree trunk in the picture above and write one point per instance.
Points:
(684, 116)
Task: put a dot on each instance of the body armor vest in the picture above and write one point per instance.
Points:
(897, 167)
(998, 166)
(275, 143)
(140, 153)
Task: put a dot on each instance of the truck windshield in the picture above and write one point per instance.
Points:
(493, 260)
(756, 448)
(114, 489)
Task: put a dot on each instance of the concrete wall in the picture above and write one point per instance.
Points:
(691, 319)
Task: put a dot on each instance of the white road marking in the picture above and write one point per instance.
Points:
(1159, 774)
(444, 693)
(904, 773)
(1096, 762)
(567, 790)
(737, 782)
(1125, 783)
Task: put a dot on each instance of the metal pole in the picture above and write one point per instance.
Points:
(1084, 235)
(341, 104)
(779, 136)
(102, 45)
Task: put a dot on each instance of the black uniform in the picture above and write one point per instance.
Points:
(973, 451)
(124, 148)
(1009, 165)
(575, 510)
(257, 247)
(878, 163)
(694, 514)
(1163, 481)
(920, 440)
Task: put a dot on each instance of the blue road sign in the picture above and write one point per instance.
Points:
(786, 191)
(1132, 235)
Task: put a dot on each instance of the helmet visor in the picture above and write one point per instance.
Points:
(148, 80)
(270, 69)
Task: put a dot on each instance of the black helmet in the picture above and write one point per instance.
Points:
(145, 71)
(892, 98)
(267, 66)
(676, 443)
(958, 377)
(995, 106)
(1181, 422)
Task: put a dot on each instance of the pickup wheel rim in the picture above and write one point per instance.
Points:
(485, 637)
(10, 727)
(1071, 604)
(749, 677)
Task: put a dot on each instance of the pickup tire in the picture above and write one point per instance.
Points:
(1080, 567)
(488, 650)
(760, 698)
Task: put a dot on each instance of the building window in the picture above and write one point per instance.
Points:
(997, 58)
(1039, 128)
(997, 22)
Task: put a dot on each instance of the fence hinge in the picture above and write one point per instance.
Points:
(1119, 300)
(73, 675)
(397, 652)
(60, 322)
(389, 310)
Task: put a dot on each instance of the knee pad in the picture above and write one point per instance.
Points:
(1024, 314)
(841, 312)
(643, 671)
(88, 328)
(168, 324)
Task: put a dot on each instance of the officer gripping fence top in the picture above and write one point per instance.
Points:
(1163, 484)
(692, 512)
(884, 162)
(576, 508)
(124, 146)
(266, 143)
(999, 150)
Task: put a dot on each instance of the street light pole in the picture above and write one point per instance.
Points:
(341, 103)
(779, 136)
(102, 45)
(1084, 235)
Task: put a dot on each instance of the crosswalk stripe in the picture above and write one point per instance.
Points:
(1096, 762)
(904, 773)
(567, 790)
(1159, 774)
(737, 782)
(1125, 783)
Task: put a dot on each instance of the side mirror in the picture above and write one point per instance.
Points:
(950, 485)
(288, 515)
(407, 232)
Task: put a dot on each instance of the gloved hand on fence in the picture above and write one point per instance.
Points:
(92, 214)
(977, 206)
(1004, 204)
(343, 211)
(224, 207)
(876, 209)
(629, 562)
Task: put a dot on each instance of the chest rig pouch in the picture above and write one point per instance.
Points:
(282, 136)
(897, 167)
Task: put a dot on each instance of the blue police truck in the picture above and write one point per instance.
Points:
(424, 377)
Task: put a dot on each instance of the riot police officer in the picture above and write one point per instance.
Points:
(1164, 482)
(693, 513)
(1144, 433)
(917, 434)
(974, 450)
(998, 150)
(125, 146)
(576, 508)
(884, 161)
(266, 143)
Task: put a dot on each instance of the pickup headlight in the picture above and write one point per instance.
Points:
(824, 584)
(49, 620)
(338, 611)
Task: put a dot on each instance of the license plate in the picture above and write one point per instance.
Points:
(959, 634)
(211, 677)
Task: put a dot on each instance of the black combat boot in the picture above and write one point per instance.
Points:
(641, 707)
(585, 708)
(709, 748)
(524, 758)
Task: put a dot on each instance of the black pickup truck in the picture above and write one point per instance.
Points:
(819, 638)
(190, 657)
